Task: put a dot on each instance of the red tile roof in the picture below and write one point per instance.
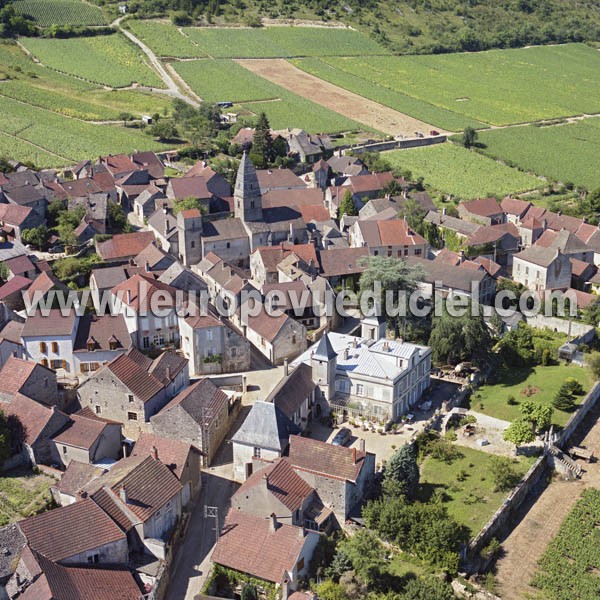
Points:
(368, 183)
(33, 416)
(314, 213)
(15, 372)
(397, 233)
(190, 187)
(77, 475)
(14, 285)
(139, 291)
(149, 485)
(200, 400)
(132, 369)
(172, 453)
(81, 432)
(52, 324)
(342, 261)
(483, 207)
(273, 255)
(321, 458)
(514, 206)
(250, 545)
(58, 582)
(293, 198)
(278, 178)
(124, 245)
(265, 325)
(14, 214)
(119, 163)
(281, 481)
(70, 530)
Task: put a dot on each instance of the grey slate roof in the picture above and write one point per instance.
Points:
(290, 393)
(265, 427)
(325, 349)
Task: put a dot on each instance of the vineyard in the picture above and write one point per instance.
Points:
(60, 12)
(568, 153)
(225, 80)
(165, 39)
(419, 109)
(569, 568)
(454, 170)
(38, 131)
(274, 42)
(109, 60)
(498, 87)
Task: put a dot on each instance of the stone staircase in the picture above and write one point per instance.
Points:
(562, 462)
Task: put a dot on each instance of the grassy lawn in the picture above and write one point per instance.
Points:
(546, 380)
(472, 501)
(22, 494)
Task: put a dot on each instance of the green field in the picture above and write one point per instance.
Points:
(570, 565)
(472, 501)
(109, 60)
(562, 152)
(165, 39)
(69, 139)
(419, 109)
(225, 80)
(498, 87)
(287, 42)
(463, 173)
(513, 382)
(60, 12)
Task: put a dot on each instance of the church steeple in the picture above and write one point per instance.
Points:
(247, 197)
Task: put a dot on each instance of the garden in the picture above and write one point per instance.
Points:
(465, 482)
(23, 493)
(539, 384)
(570, 566)
(452, 169)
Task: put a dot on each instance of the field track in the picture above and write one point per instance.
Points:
(349, 104)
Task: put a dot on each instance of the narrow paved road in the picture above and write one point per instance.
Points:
(191, 566)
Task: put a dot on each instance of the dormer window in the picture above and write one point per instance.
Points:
(113, 343)
(91, 344)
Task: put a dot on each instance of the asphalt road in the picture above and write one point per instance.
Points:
(192, 562)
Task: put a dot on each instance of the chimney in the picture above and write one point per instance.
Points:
(166, 223)
(345, 353)
(461, 257)
(123, 495)
(168, 373)
(147, 267)
(361, 444)
(128, 296)
(285, 589)
(154, 452)
(286, 367)
(354, 455)
(274, 524)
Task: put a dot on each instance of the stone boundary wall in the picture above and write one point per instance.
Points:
(584, 332)
(577, 418)
(531, 478)
(393, 144)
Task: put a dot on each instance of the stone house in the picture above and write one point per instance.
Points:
(278, 489)
(77, 534)
(213, 346)
(34, 426)
(451, 227)
(198, 415)
(388, 238)
(342, 264)
(104, 279)
(484, 211)
(122, 247)
(150, 311)
(308, 147)
(539, 268)
(184, 460)
(367, 187)
(278, 179)
(216, 184)
(21, 266)
(19, 376)
(163, 224)
(133, 387)
(568, 243)
(515, 209)
(144, 498)
(341, 476)
(75, 477)
(264, 435)
(153, 259)
(10, 341)
(88, 438)
(265, 260)
(145, 203)
(294, 395)
(368, 375)
(499, 241)
(276, 337)
(265, 548)
(14, 219)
